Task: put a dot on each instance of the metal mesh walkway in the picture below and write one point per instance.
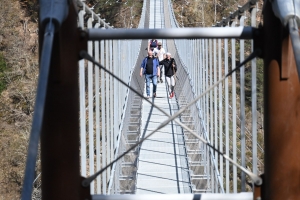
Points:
(162, 166)
(162, 161)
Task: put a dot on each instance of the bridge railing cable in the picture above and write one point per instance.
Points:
(204, 62)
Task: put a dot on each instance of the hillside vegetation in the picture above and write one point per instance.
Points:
(18, 76)
(119, 13)
(203, 13)
(19, 69)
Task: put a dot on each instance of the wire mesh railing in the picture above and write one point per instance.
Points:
(222, 117)
(103, 101)
(206, 165)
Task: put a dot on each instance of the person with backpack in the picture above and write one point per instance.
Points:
(170, 70)
(150, 68)
(152, 44)
(159, 52)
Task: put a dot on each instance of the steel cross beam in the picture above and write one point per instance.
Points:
(172, 33)
(205, 196)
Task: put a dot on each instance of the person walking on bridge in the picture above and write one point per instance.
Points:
(170, 70)
(152, 44)
(159, 52)
(150, 68)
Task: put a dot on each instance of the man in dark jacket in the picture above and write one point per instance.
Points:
(150, 68)
(170, 70)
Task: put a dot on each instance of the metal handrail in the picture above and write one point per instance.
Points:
(197, 63)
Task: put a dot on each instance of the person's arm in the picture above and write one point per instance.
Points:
(149, 45)
(174, 65)
(155, 52)
(172, 62)
(142, 68)
(157, 67)
(141, 72)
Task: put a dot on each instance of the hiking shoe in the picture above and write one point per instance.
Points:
(172, 94)
(148, 97)
(154, 95)
(161, 81)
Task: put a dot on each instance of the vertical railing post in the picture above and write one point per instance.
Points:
(203, 77)
(242, 106)
(254, 98)
(211, 133)
(117, 109)
(226, 85)
(281, 112)
(103, 118)
(60, 130)
(234, 131)
(91, 107)
(97, 111)
(206, 85)
(220, 107)
(82, 105)
(107, 111)
(215, 129)
(111, 106)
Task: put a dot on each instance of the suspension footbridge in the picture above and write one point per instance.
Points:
(101, 138)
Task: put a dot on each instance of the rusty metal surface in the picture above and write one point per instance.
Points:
(282, 108)
(257, 190)
(60, 132)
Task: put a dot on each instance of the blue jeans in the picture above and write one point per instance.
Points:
(154, 81)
